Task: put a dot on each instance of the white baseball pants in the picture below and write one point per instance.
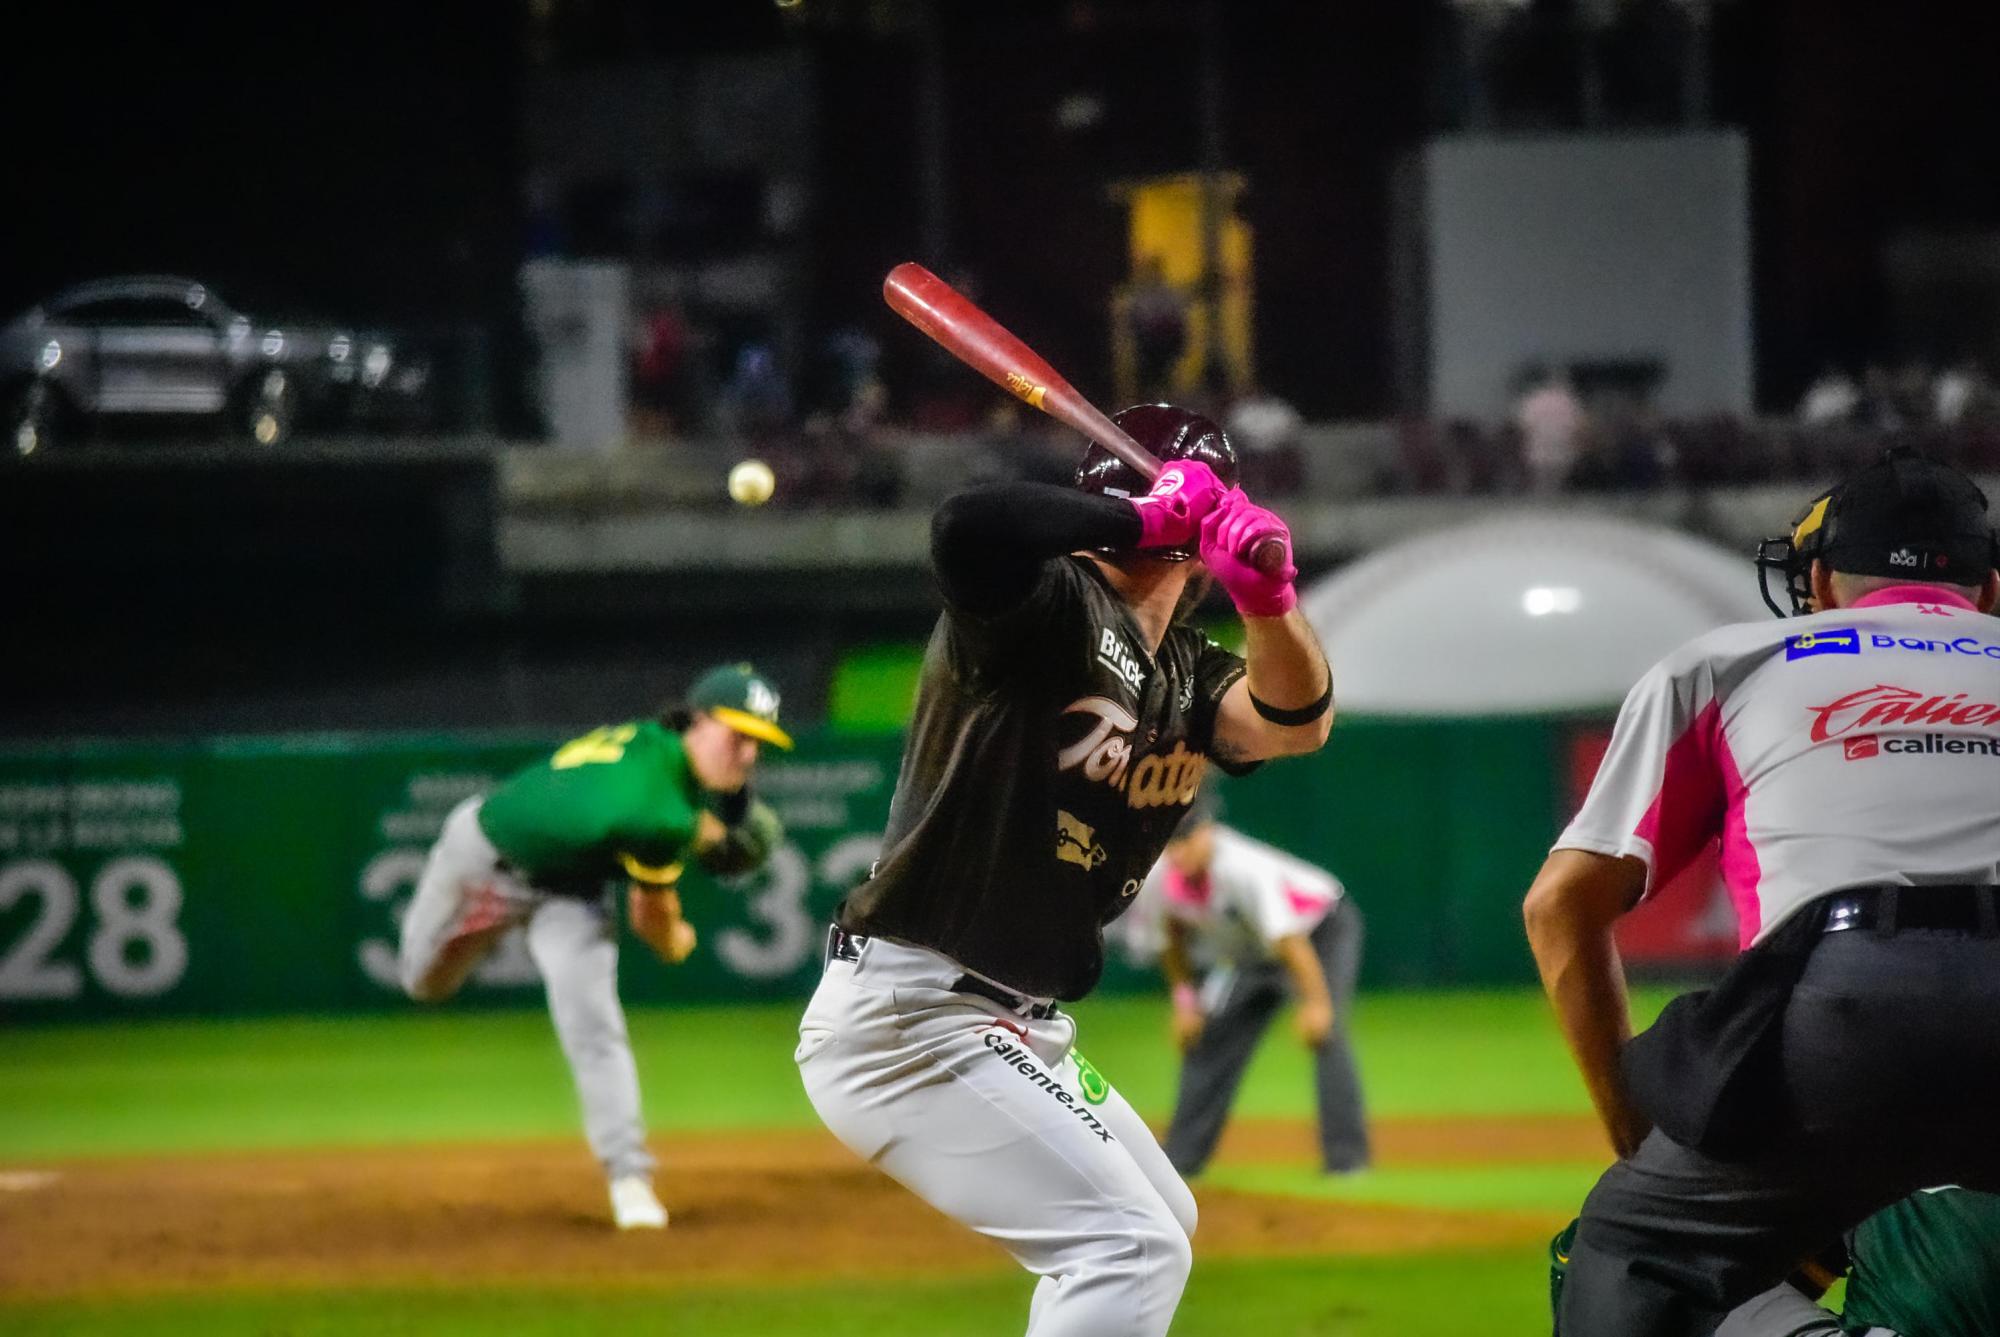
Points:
(465, 903)
(983, 1114)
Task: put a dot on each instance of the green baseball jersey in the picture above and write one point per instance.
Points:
(1928, 1266)
(619, 802)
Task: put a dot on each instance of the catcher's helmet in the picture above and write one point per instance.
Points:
(1904, 515)
(1168, 434)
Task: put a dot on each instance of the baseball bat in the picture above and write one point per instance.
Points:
(955, 323)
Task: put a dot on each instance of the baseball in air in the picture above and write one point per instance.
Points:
(751, 482)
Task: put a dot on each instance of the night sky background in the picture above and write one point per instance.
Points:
(364, 158)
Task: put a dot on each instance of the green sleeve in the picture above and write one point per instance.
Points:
(651, 839)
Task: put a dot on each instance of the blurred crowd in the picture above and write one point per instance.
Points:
(836, 434)
(1560, 439)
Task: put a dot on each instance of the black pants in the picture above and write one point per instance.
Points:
(1891, 1082)
(1214, 1065)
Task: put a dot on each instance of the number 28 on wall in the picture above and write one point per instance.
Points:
(135, 950)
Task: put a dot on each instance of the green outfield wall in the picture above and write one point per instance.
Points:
(265, 875)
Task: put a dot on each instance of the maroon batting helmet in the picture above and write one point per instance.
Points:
(1168, 434)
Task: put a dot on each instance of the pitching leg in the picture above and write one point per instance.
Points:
(464, 905)
(575, 946)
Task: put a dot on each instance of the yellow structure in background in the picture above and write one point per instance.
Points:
(1164, 221)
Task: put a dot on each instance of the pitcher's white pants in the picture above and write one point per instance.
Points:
(982, 1114)
(465, 902)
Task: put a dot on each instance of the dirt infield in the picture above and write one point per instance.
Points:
(746, 1207)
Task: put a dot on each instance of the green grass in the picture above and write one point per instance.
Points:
(1440, 1294)
(1557, 1188)
(184, 1086)
(180, 1087)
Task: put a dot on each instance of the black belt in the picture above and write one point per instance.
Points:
(1888, 909)
(1013, 1002)
(844, 946)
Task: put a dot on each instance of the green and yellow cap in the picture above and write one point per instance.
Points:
(741, 699)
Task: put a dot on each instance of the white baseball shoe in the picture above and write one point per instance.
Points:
(634, 1206)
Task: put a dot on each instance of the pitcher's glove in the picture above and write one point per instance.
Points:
(746, 842)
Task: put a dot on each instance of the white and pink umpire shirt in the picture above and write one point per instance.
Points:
(1855, 746)
(1254, 894)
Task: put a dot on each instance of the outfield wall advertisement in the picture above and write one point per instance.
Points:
(268, 875)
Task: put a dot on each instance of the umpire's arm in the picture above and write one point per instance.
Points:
(1571, 909)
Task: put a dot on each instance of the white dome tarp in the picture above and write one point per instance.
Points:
(1542, 612)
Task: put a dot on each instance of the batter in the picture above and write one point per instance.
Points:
(1063, 725)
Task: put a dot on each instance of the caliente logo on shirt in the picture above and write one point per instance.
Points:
(1886, 705)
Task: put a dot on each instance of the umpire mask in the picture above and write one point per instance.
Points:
(1904, 515)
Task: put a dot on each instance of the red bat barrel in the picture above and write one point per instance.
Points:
(954, 322)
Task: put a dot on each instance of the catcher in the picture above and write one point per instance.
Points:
(627, 802)
(1927, 1266)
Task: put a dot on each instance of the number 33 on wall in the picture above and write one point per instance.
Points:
(136, 949)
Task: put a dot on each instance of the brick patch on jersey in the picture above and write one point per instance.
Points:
(1030, 1067)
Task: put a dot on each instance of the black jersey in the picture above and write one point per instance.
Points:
(1049, 760)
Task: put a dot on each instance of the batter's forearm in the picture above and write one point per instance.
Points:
(1284, 663)
(1283, 705)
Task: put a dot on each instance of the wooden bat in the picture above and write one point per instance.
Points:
(956, 324)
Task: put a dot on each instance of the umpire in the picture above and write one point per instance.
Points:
(1848, 762)
(1267, 927)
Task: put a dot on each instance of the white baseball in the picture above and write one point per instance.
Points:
(751, 482)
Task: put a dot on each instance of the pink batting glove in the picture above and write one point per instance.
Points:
(1171, 514)
(1228, 534)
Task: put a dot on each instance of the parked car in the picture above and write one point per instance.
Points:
(156, 349)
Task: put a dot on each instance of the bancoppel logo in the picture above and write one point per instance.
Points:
(1963, 645)
(1884, 705)
(1832, 641)
(1113, 653)
(1904, 557)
